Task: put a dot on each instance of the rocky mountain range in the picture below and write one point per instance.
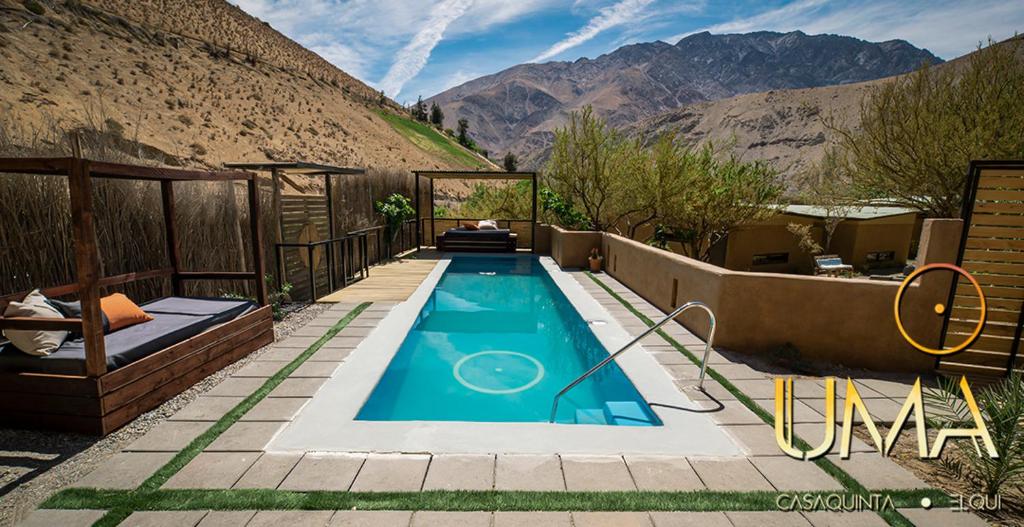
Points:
(517, 109)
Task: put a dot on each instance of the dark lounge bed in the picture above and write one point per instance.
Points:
(462, 239)
(175, 319)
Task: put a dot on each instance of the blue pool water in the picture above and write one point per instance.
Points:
(495, 342)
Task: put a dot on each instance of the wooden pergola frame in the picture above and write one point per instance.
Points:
(101, 401)
(431, 175)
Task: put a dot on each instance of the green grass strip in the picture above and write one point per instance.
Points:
(269, 499)
(200, 443)
(846, 480)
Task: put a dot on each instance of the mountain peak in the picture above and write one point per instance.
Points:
(517, 109)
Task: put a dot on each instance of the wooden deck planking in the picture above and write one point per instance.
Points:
(394, 281)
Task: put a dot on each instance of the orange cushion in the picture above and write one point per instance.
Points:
(122, 312)
(470, 226)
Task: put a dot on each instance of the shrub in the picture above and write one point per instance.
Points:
(34, 7)
(1002, 409)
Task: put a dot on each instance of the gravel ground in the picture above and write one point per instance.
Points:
(36, 463)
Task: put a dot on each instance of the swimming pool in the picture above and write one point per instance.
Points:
(494, 342)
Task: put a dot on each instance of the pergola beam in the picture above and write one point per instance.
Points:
(431, 175)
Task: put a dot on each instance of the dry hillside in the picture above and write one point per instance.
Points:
(785, 128)
(196, 82)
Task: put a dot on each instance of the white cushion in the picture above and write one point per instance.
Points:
(488, 225)
(34, 342)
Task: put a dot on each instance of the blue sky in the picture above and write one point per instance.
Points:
(422, 47)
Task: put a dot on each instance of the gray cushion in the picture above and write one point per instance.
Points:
(175, 319)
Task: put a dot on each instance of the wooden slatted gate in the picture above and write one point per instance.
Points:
(991, 250)
(304, 219)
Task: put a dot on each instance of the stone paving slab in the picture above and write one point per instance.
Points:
(278, 354)
(355, 331)
(268, 471)
(690, 519)
(323, 472)
(169, 436)
(767, 519)
(125, 470)
(226, 518)
(663, 473)
(258, 368)
(451, 519)
(596, 473)
(876, 472)
(212, 470)
(371, 519)
(276, 409)
(788, 474)
(460, 472)
(298, 387)
(756, 439)
(942, 518)
(314, 369)
(730, 474)
(299, 343)
(532, 519)
(611, 519)
(163, 519)
(528, 472)
(63, 518)
(245, 436)
(236, 387)
(334, 355)
(804, 410)
(845, 519)
(206, 409)
(392, 473)
(291, 519)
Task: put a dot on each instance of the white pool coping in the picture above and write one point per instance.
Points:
(327, 423)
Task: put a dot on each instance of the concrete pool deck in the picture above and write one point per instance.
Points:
(328, 423)
(239, 459)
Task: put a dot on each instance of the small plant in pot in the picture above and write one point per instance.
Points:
(595, 260)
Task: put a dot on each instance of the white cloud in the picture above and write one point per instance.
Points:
(607, 18)
(352, 61)
(410, 59)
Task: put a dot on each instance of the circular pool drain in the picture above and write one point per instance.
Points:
(498, 372)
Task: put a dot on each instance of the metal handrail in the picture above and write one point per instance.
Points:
(652, 329)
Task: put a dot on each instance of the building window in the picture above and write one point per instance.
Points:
(771, 258)
(881, 256)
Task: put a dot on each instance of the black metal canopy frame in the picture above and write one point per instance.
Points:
(431, 175)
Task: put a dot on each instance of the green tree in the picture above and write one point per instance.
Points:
(918, 133)
(595, 168)
(511, 162)
(396, 208)
(717, 195)
(436, 115)
(508, 201)
(419, 110)
(463, 132)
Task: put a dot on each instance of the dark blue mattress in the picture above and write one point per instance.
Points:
(174, 319)
(479, 235)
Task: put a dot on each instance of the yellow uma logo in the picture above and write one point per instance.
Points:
(914, 402)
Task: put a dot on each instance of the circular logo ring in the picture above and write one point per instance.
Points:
(899, 297)
(536, 379)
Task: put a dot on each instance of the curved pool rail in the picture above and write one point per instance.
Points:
(652, 329)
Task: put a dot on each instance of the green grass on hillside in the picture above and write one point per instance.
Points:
(430, 140)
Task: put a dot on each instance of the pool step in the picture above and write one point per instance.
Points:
(591, 416)
(625, 413)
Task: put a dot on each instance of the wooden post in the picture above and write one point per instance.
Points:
(533, 217)
(258, 265)
(275, 179)
(87, 267)
(329, 194)
(433, 233)
(418, 223)
(171, 234)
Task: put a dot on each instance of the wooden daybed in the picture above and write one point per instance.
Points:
(88, 388)
(464, 240)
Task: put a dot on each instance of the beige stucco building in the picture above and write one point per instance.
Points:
(868, 238)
